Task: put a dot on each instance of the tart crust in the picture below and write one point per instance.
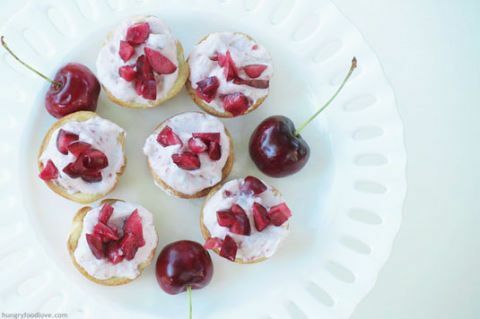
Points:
(211, 110)
(183, 72)
(72, 243)
(81, 198)
(206, 233)
(227, 168)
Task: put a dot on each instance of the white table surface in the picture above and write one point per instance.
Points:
(430, 50)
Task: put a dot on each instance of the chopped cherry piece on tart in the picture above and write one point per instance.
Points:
(129, 245)
(196, 145)
(260, 216)
(236, 103)
(214, 151)
(94, 159)
(145, 84)
(78, 148)
(254, 70)
(187, 161)
(133, 225)
(105, 232)
(207, 88)
(114, 254)
(225, 218)
(241, 226)
(92, 176)
(253, 185)
(96, 245)
(259, 84)
(127, 72)
(64, 139)
(229, 248)
(279, 214)
(160, 63)
(105, 213)
(228, 65)
(49, 171)
(126, 51)
(138, 33)
(213, 243)
(167, 137)
(208, 137)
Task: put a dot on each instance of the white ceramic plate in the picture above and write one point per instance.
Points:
(347, 202)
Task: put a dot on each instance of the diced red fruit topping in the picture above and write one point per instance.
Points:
(167, 137)
(260, 216)
(96, 245)
(49, 171)
(148, 89)
(114, 253)
(160, 63)
(228, 65)
(75, 169)
(92, 176)
(213, 243)
(145, 84)
(77, 148)
(133, 225)
(207, 88)
(94, 159)
(214, 57)
(254, 70)
(126, 50)
(279, 214)
(229, 248)
(208, 137)
(259, 84)
(196, 145)
(214, 151)
(64, 139)
(144, 69)
(127, 72)
(138, 33)
(236, 103)
(105, 213)
(225, 218)
(105, 232)
(253, 185)
(255, 47)
(227, 193)
(129, 245)
(187, 161)
(241, 226)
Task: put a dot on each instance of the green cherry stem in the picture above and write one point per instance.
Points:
(189, 293)
(300, 129)
(4, 44)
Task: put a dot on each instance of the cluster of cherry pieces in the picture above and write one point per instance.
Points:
(276, 147)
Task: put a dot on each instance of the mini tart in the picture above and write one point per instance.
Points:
(229, 74)
(254, 216)
(141, 64)
(90, 129)
(102, 271)
(189, 153)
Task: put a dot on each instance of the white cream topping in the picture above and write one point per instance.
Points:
(103, 135)
(201, 67)
(109, 61)
(258, 244)
(102, 268)
(160, 158)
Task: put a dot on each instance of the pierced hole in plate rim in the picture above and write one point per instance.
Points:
(327, 50)
(294, 311)
(364, 216)
(367, 133)
(370, 187)
(60, 21)
(282, 11)
(38, 42)
(340, 272)
(356, 245)
(53, 303)
(370, 159)
(15, 258)
(360, 103)
(340, 75)
(307, 27)
(32, 284)
(320, 294)
(87, 8)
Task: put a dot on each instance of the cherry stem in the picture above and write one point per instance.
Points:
(4, 44)
(189, 292)
(352, 67)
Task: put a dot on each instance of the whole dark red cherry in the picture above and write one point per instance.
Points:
(277, 148)
(74, 88)
(182, 265)
(78, 90)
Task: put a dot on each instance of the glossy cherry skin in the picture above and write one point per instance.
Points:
(181, 264)
(79, 91)
(275, 148)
